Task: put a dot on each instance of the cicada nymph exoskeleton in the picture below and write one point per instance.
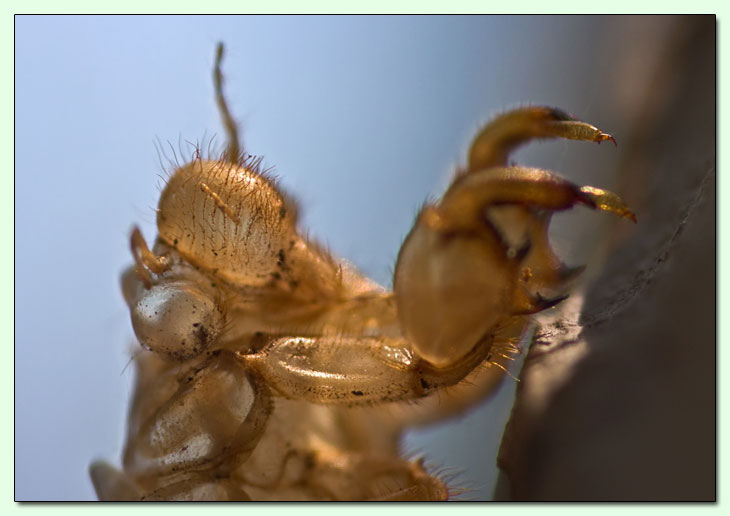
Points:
(273, 371)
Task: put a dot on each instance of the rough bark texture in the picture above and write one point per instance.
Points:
(618, 393)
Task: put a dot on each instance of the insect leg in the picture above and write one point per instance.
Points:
(354, 371)
(462, 268)
(146, 260)
(501, 136)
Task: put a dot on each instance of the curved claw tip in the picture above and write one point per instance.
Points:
(605, 136)
(544, 302)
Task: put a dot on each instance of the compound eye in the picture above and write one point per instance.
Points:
(176, 319)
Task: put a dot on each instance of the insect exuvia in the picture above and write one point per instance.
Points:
(273, 371)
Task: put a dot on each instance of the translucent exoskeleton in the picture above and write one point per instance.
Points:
(273, 371)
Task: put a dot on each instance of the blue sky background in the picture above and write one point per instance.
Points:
(362, 117)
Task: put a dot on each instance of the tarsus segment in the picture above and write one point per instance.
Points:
(464, 203)
(498, 139)
(606, 201)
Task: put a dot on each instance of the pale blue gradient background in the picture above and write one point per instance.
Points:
(363, 118)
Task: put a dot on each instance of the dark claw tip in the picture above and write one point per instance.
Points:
(604, 136)
(545, 303)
